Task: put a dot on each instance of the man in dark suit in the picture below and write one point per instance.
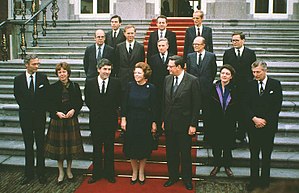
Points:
(197, 30)
(128, 53)
(202, 64)
(180, 110)
(29, 91)
(158, 64)
(241, 58)
(102, 97)
(162, 32)
(95, 52)
(115, 35)
(262, 107)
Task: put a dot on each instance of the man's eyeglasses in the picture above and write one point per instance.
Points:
(235, 40)
(196, 44)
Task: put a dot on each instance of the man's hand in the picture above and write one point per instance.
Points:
(259, 122)
(192, 130)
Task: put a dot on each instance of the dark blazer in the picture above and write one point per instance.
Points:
(242, 66)
(181, 110)
(90, 59)
(266, 106)
(220, 125)
(159, 72)
(191, 34)
(111, 42)
(152, 48)
(54, 98)
(205, 73)
(126, 63)
(103, 107)
(22, 94)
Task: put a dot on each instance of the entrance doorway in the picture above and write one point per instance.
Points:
(95, 7)
(179, 8)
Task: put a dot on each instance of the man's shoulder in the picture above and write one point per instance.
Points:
(206, 28)
(246, 49)
(91, 46)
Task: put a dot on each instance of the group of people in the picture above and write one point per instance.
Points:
(167, 94)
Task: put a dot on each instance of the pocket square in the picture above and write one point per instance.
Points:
(41, 86)
(271, 92)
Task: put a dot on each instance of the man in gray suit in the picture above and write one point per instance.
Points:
(202, 64)
(95, 52)
(128, 53)
(180, 110)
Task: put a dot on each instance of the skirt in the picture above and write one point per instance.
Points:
(63, 139)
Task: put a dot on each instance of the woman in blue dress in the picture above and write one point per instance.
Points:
(138, 120)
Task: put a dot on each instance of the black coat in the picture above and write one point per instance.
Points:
(220, 125)
(55, 95)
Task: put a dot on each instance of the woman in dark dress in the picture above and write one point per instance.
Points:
(138, 120)
(63, 140)
(221, 120)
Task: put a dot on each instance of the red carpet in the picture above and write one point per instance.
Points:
(123, 185)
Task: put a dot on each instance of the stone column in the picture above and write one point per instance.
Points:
(134, 9)
(227, 9)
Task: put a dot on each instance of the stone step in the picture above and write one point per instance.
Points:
(241, 158)
(281, 143)
(244, 172)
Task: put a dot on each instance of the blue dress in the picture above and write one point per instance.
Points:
(139, 108)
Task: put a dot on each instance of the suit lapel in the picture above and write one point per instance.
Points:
(180, 87)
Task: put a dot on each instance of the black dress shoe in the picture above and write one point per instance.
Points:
(42, 179)
(228, 172)
(92, 180)
(214, 171)
(111, 179)
(170, 183)
(188, 185)
(141, 182)
(59, 182)
(133, 181)
(26, 180)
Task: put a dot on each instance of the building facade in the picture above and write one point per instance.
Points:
(147, 9)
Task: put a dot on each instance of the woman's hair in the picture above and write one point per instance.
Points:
(230, 68)
(145, 68)
(63, 65)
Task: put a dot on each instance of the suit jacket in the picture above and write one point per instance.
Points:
(181, 109)
(103, 107)
(22, 93)
(126, 62)
(54, 97)
(191, 34)
(152, 48)
(159, 72)
(32, 110)
(266, 106)
(205, 73)
(111, 42)
(90, 59)
(242, 65)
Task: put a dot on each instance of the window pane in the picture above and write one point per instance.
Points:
(279, 6)
(261, 6)
(103, 6)
(86, 6)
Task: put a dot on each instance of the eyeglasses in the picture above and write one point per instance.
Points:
(196, 17)
(235, 40)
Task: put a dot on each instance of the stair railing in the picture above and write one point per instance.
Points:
(34, 19)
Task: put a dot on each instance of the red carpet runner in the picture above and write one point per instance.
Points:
(123, 185)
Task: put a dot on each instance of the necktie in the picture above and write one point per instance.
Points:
(103, 87)
(239, 53)
(99, 56)
(175, 86)
(31, 86)
(163, 58)
(114, 36)
(161, 34)
(130, 49)
(261, 88)
(198, 31)
(199, 60)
